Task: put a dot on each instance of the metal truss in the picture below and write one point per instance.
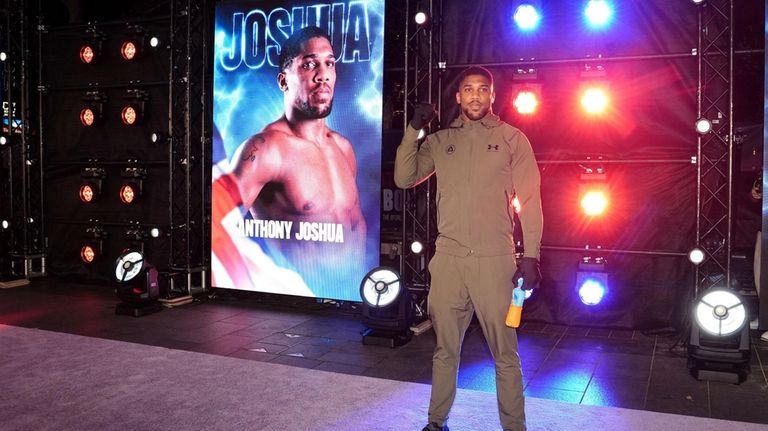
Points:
(189, 162)
(422, 83)
(715, 149)
(21, 157)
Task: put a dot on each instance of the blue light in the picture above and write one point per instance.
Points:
(591, 291)
(526, 17)
(598, 13)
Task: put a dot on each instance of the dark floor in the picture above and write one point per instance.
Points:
(576, 365)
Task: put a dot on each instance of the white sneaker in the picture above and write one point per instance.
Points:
(764, 337)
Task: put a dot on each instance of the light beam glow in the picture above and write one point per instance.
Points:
(526, 17)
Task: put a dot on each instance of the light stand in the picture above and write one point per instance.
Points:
(138, 287)
(387, 308)
(719, 348)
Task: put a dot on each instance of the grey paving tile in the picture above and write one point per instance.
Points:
(342, 368)
(365, 361)
(615, 392)
(296, 361)
(554, 394)
(563, 375)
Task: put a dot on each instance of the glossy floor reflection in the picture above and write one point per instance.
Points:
(577, 365)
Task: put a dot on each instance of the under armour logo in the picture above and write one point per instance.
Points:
(493, 147)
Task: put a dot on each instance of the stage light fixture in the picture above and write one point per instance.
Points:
(139, 234)
(591, 280)
(136, 234)
(696, 256)
(87, 117)
(90, 189)
(719, 346)
(158, 137)
(593, 190)
(129, 50)
(133, 112)
(3, 140)
(132, 187)
(92, 113)
(129, 115)
(526, 102)
(387, 308)
(697, 1)
(595, 100)
(136, 42)
(703, 126)
(526, 91)
(591, 291)
(87, 54)
(526, 17)
(93, 244)
(138, 286)
(720, 312)
(3, 56)
(87, 254)
(417, 247)
(128, 194)
(421, 18)
(5, 224)
(92, 48)
(594, 202)
(598, 13)
(594, 90)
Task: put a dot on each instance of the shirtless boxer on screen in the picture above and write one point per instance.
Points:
(300, 173)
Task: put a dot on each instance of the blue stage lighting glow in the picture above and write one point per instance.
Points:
(478, 374)
(598, 13)
(526, 17)
(369, 99)
(591, 291)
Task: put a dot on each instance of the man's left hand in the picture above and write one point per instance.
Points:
(528, 269)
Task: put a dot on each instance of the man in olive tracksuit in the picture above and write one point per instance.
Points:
(481, 164)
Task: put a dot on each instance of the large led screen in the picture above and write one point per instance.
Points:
(297, 146)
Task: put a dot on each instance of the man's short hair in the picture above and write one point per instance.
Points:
(292, 47)
(475, 70)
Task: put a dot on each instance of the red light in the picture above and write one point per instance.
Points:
(526, 102)
(595, 100)
(128, 50)
(87, 193)
(129, 115)
(87, 54)
(87, 117)
(594, 202)
(127, 194)
(87, 254)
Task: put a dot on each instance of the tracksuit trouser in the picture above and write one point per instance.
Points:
(460, 286)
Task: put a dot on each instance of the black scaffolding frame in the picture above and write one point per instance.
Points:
(190, 131)
(21, 155)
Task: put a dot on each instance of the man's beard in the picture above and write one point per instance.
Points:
(473, 115)
(310, 112)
